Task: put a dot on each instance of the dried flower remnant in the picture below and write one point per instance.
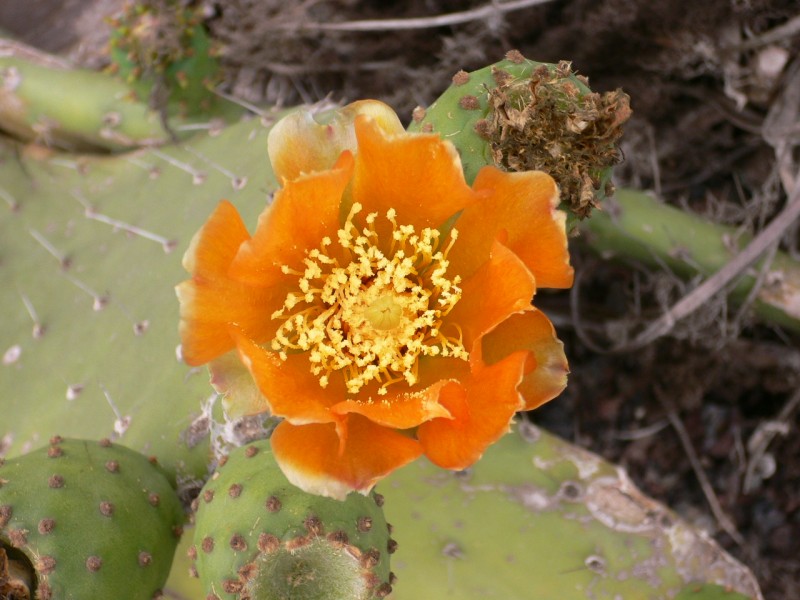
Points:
(383, 306)
(552, 122)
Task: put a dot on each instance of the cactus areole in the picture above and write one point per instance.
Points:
(383, 305)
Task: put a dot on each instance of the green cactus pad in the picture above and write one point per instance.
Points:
(90, 252)
(86, 519)
(709, 592)
(537, 517)
(259, 537)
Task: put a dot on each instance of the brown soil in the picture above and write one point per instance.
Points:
(706, 80)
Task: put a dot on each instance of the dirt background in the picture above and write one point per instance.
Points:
(705, 418)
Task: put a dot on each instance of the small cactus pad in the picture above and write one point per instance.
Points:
(258, 537)
(85, 519)
(524, 115)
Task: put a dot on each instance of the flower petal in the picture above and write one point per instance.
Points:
(404, 410)
(500, 287)
(546, 370)
(210, 300)
(521, 211)
(312, 459)
(240, 394)
(300, 144)
(482, 411)
(302, 213)
(291, 390)
(213, 247)
(208, 306)
(418, 175)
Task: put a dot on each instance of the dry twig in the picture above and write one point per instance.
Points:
(722, 518)
(476, 14)
(761, 439)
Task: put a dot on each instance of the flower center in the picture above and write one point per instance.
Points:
(375, 312)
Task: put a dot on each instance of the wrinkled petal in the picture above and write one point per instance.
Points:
(546, 370)
(302, 213)
(207, 310)
(312, 458)
(211, 300)
(419, 176)
(521, 211)
(289, 387)
(240, 394)
(402, 411)
(304, 142)
(482, 409)
(501, 286)
(213, 247)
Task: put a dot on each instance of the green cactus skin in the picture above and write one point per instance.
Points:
(160, 43)
(92, 519)
(182, 582)
(709, 592)
(258, 537)
(90, 251)
(537, 517)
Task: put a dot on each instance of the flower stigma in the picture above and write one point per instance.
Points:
(370, 311)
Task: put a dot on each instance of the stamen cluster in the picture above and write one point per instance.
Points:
(370, 311)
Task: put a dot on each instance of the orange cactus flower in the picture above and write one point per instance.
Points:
(383, 306)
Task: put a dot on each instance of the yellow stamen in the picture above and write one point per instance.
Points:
(375, 317)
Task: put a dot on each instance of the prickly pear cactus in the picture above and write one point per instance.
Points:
(259, 537)
(85, 519)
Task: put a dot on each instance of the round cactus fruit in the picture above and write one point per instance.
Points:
(522, 115)
(258, 537)
(85, 519)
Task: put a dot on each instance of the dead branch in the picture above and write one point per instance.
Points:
(476, 14)
(722, 518)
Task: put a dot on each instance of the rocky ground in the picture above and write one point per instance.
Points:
(705, 418)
